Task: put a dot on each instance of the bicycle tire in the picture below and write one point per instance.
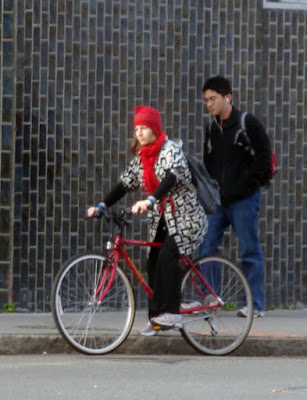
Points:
(217, 331)
(90, 327)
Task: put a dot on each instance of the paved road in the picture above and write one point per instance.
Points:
(118, 377)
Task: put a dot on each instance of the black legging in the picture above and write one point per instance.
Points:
(164, 274)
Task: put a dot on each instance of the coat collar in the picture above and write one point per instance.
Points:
(231, 121)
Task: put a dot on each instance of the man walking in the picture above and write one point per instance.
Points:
(240, 168)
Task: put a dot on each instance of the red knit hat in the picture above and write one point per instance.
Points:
(148, 116)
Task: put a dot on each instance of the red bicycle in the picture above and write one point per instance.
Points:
(93, 302)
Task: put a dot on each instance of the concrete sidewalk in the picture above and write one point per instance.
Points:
(280, 333)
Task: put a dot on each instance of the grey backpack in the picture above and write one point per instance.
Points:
(207, 188)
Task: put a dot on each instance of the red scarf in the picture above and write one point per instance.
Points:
(149, 156)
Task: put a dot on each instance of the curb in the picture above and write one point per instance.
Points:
(137, 345)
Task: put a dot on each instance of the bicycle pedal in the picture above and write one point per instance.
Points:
(161, 328)
(156, 327)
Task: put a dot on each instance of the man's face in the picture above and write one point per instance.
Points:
(215, 102)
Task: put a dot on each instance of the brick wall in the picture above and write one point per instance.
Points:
(71, 72)
(7, 124)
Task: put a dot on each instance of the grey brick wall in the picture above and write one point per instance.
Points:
(7, 124)
(71, 73)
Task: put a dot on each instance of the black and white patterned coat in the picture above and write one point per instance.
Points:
(186, 220)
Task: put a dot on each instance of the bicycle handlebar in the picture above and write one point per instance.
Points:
(118, 218)
(112, 217)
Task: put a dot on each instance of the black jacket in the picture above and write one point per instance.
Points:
(238, 173)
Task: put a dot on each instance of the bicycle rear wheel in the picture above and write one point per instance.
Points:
(217, 331)
(90, 326)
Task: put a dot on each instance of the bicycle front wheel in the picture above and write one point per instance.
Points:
(216, 331)
(91, 326)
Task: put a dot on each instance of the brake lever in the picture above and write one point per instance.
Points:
(122, 214)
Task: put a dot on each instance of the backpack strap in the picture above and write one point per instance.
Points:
(243, 133)
(242, 120)
(209, 144)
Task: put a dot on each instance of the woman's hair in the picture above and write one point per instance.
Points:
(134, 146)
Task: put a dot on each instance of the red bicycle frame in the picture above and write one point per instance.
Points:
(119, 251)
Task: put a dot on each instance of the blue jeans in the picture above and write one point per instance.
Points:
(243, 216)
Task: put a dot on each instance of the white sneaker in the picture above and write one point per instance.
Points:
(259, 314)
(168, 320)
(148, 330)
(244, 311)
(193, 304)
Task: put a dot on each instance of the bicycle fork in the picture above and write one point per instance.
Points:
(108, 271)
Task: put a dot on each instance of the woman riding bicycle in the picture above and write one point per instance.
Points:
(176, 217)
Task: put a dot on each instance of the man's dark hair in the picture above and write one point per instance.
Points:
(219, 84)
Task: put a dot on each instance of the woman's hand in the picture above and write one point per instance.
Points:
(141, 206)
(96, 211)
(91, 212)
